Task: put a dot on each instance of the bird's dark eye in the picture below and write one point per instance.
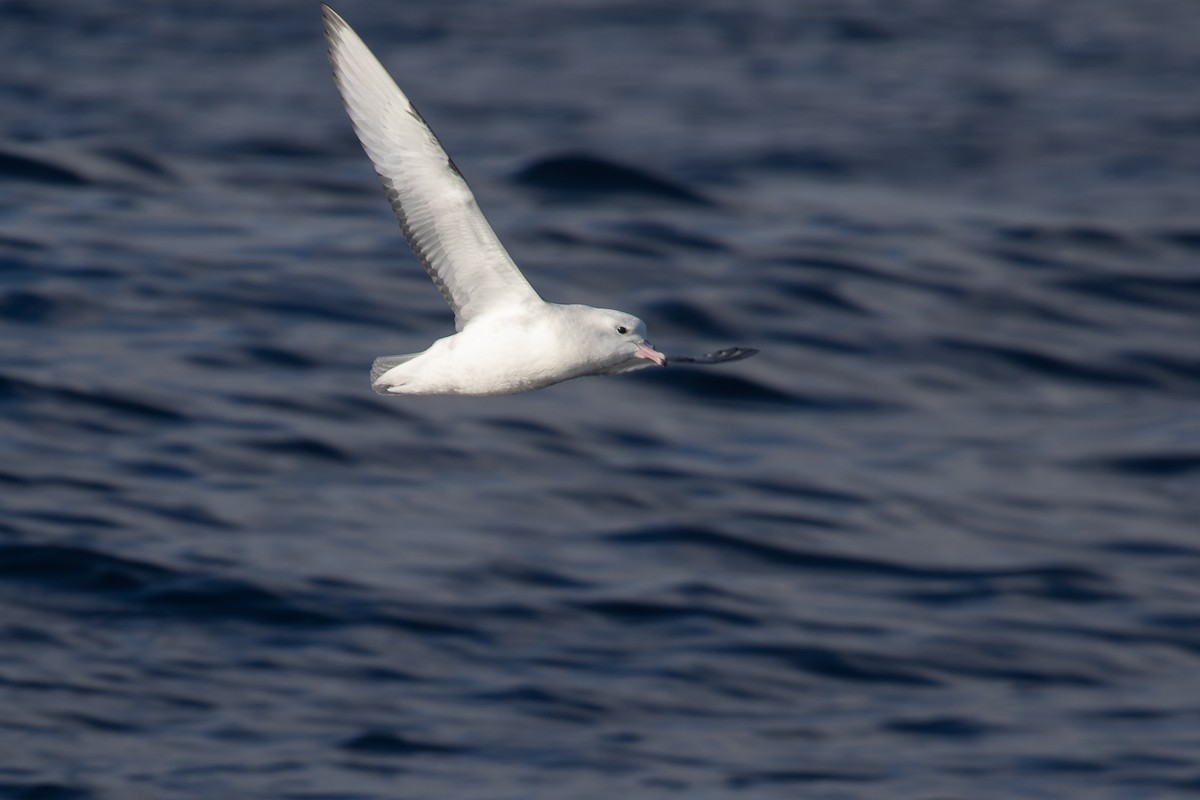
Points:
(622, 329)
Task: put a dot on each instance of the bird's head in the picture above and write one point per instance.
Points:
(615, 341)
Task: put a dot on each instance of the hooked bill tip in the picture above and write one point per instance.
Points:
(646, 351)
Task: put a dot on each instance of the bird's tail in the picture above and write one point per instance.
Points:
(383, 364)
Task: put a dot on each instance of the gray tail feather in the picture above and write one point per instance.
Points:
(384, 363)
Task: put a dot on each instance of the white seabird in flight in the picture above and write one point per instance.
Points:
(508, 339)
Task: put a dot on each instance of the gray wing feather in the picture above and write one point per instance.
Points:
(437, 211)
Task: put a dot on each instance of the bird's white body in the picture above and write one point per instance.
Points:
(517, 351)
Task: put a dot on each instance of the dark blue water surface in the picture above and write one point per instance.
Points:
(941, 539)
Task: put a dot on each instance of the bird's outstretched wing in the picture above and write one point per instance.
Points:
(437, 212)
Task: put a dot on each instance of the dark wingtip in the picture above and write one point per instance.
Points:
(334, 24)
(733, 354)
(715, 357)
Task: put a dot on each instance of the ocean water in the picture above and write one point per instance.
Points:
(940, 539)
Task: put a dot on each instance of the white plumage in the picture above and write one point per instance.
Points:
(509, 340)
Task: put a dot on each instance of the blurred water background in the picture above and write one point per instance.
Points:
(939, 540)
